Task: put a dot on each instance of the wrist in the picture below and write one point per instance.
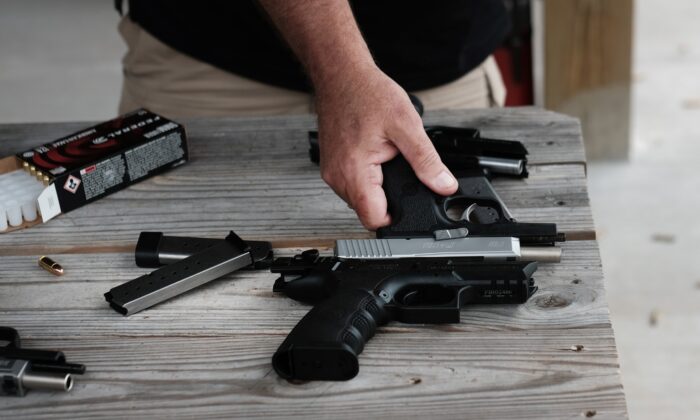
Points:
(342, 74)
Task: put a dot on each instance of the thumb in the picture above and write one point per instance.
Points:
(420, 153)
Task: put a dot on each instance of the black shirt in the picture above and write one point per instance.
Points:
(420, 44)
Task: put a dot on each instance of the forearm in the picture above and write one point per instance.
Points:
(324, 36)
(364, 117)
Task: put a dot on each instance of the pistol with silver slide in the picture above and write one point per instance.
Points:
(155, 249)
(24, 369)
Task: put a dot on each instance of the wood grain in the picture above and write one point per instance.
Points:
(588, 68)
(239, 167)
(488, 374)
(550, 137)
(296, 203)
(206, 354)
(571, 296)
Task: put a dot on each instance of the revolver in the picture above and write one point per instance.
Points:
(352, 298)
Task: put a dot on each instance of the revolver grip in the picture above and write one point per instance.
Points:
(412, 206)
(325, 344)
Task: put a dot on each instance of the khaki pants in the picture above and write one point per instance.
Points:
(175, 85)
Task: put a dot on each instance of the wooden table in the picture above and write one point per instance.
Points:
(207, 353)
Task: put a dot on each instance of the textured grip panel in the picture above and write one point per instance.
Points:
(410, 203)
(324, 345)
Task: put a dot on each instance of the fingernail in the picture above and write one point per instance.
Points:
(445, 180)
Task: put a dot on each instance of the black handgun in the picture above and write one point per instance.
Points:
(475, 209)
(354, 297)
(23, 369)
(369, 282)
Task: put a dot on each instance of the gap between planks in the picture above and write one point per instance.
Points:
(327, 243)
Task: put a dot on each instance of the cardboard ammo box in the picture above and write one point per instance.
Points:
(97, 161)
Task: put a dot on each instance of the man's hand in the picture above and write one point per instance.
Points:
(365, 119)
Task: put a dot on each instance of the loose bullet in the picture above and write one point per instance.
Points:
(51, 266)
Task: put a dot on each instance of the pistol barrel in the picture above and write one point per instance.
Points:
(502, 166)
(48, 381)
(545, 254)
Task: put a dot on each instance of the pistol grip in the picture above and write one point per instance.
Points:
(412, 206)
(325, 344)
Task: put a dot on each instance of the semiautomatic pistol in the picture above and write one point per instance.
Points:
(369, 282)
(475, 209)
(352, 298)
(24, 369)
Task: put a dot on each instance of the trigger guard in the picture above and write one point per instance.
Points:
(474, 203)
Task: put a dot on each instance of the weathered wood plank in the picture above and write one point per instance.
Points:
(570, 296)
(240, 166)
(218, 341)
(213, 194)
(495, 375)
(550, 137)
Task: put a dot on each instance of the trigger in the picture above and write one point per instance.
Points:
(468, 212)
